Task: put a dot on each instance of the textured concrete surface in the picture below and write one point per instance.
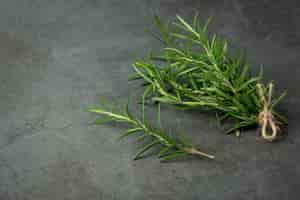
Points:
(58, 57)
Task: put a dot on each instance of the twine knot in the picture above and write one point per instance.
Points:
(266, 119)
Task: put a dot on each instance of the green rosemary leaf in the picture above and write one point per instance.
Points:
(163, 28)
(173, 50)
(103, 120)
(142, 137)
(223, 117)
(205, 27)
(164, 151)
(261, 72)
(195, 21)
(187, 71)
(280, 117)
(186, 141)
(147, 91)
(187, 26)
(114, 116)
(147, 67)
(140, 73)
(277, 100)
(173, 156)
(158, 116)
(159, 58)
(127, 111)
(164, 100)
(248, 82)
(146, 148)
(193, 83)
(213, 41)
(240, 125)
(225, 47)
(133, 77)
(130, 132)
(179, 36)
(244, 73)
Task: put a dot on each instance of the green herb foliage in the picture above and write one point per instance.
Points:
(169, 147)
(195, 71)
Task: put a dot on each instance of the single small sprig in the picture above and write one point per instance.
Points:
(195, 71)
(169, 147)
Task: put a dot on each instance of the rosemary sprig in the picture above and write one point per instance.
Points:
(169, 147)
(195, 70)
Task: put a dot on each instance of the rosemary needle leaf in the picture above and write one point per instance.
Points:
(163, 29)
(113, 115)
(173, 156)
(103, 120)
(130, 132)
(277, 100)
(187, 26)
(282, 118)
(164, 151)
(134, 77)
(146, 148)
(248, 83)
(142, 137)
(140, 73)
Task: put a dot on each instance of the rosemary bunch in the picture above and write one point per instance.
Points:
(169, 147)
(194, 70)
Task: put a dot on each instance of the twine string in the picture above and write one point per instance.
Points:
(265, 118)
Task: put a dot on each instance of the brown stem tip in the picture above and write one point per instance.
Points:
(194, 151)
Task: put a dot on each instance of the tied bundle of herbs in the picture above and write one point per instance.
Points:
(195, 71)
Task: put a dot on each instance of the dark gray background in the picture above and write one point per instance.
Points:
(58, 57)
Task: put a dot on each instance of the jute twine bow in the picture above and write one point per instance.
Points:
(265, 118)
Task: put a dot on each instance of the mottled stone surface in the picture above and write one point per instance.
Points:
(58, 57)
